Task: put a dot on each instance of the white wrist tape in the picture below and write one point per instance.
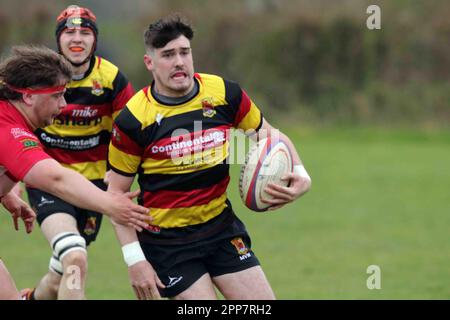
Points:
(132, 253)
(301, 171)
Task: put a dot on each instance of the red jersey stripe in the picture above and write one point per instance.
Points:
(244, 108)
(124, 143)
(167, 199)
(122, 97)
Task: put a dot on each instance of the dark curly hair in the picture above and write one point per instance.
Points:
(31, 66)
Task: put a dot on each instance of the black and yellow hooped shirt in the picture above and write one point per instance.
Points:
(179, 151)
(80, 135)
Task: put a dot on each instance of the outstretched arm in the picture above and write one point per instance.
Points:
(49, 176)
(6, 185)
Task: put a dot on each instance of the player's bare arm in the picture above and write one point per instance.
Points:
(71, 186)
(143, 278)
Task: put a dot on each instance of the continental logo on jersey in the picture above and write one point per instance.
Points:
(97, 88)
(240, 246)
(169, 148)
(29, 144)
(91, 226)
(208, 107)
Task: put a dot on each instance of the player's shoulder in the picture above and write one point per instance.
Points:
(228, 90)
(139, 104)
(9, 116)
(214, 79)
(213, 85)
(139, 99)
(105, 71)
(207, 78)
(106, 65)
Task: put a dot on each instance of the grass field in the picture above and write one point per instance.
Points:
(378, 198)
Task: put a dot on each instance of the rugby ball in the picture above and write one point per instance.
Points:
(266, 162)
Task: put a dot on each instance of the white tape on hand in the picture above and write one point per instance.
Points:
(301, 171)
(132, 253)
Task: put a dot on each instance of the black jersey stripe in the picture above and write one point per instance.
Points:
(184, 182)
(119, 83)
(122, 173)
(84, 96)
(233, 95)
(131, 126)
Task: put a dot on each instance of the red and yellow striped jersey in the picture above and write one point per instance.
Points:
(180, 151)
(80, 135)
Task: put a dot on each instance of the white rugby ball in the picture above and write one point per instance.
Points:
(266, 162)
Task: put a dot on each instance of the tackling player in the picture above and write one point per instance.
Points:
(32, 86)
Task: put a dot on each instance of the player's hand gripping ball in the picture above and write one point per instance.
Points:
(266, 162)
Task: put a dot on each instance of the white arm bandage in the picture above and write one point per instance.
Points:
(301, 171)
(132, 253)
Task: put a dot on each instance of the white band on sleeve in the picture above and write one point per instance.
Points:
(132, 253)
(301, 171)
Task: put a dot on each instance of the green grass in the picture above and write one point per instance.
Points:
(378, 198)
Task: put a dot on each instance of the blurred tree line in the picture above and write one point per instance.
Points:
(307, 61)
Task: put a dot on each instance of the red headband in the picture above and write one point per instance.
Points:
(47, 90)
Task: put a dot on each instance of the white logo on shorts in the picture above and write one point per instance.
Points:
(173, 281)
(45, 201)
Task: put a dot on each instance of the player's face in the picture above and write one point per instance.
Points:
(76, 43)
(48, 107)
(172, 67)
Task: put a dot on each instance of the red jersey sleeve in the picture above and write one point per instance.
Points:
(20, 150)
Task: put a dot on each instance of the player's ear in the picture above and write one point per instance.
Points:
(28, 98)
(148, 61)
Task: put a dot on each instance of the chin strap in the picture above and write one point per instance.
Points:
(79, 64)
